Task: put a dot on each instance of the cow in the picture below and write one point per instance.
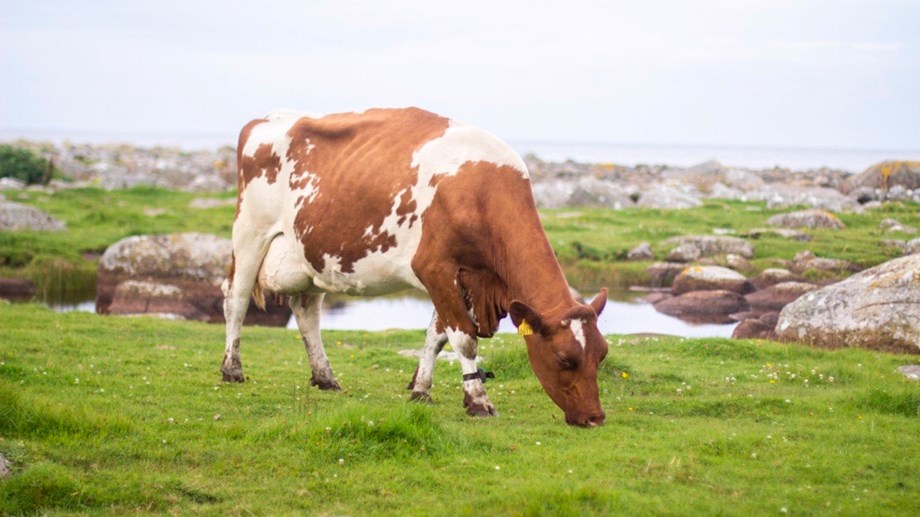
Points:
(385, 200)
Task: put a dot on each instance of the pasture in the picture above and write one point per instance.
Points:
(128, 415)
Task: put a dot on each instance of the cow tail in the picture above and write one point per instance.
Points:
(258, 295)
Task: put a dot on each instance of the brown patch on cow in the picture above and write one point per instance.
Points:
(246, 172)
(344, 154)
(263, 163)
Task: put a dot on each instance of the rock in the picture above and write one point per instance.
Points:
(665, 196)
(684, 253)
(805, 260)
(777, 296)
(763, 327)
(641, 252)
(710, 278)
(591, 191)
(786, 233)
(911, 371)
(806, 219)
(892, 225)
(17, 289)
(19, 217)
(713, 245)
(552, 194)
(887, 175)
(912, 246)
(878, 308)
(738, 263)
(662, 274)
(193, 263)
(703, 306)
(773, 276)
(12, 184)
(782, 195)
(141, 297)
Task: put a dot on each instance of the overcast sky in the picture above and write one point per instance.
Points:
(801, 73)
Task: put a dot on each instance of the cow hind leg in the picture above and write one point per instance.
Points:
(237, 289)
(424, 373)
(306, 309)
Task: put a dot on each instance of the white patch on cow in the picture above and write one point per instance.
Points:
(462, 144)
(577, 327)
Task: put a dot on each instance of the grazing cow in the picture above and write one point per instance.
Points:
(389, 199)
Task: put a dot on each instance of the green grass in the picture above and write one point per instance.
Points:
(118, 415)
(591, 243)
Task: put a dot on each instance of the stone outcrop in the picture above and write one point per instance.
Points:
(17, 289)
(178, 274)
(805, 260)
(887, 175)
(775, 297)
(703, 306)
(710, 278)
(807, 219)
(662, 274)
(759, 327)
(714, 245)
(18, 217)
(773, 276)
(878, 308)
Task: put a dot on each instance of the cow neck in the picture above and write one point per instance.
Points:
(530, 268)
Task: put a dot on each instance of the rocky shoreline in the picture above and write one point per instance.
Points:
(555, 184)
(703, 278)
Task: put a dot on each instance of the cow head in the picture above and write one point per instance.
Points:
(565, 354)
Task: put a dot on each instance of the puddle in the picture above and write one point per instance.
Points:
(624, 314)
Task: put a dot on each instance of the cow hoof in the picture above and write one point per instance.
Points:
(481, 411)
(233, 376)
(421, 396)
(326, 385)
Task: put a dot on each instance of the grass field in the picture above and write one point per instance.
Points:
(591, 243)
(124, 415)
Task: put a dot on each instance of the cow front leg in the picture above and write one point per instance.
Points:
(306, 309)
(422, 380)
(475, 400)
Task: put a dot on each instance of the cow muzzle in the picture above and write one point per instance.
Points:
(586, 420)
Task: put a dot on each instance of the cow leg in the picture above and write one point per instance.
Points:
(422, 380)
(306, 308)
(249, 249)
(475, 400)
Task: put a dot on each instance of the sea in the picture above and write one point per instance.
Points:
(628, 154)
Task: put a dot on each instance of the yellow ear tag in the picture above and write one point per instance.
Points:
(524, 329)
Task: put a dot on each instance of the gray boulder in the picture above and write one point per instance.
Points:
(762, 326)
(641, 252)
(662, 274)
(703, 306)
(773, 276)
(878, 308)
(782, 195)
(807, 219)
(887, 175)
(19, 217)
(805, 260)
(12, 184)
(666, 196)
(893, 225)
(710, 278)
(182, 270)
(775, 297)
(785, 233)
(714, 245)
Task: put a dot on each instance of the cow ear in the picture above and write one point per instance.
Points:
(521, 313)
(599, 301)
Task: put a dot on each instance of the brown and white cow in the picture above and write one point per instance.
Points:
(390, 199)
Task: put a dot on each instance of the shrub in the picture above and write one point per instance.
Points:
(23, 165)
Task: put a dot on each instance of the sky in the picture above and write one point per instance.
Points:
(775, 73)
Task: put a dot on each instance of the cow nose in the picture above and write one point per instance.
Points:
(598, 419)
